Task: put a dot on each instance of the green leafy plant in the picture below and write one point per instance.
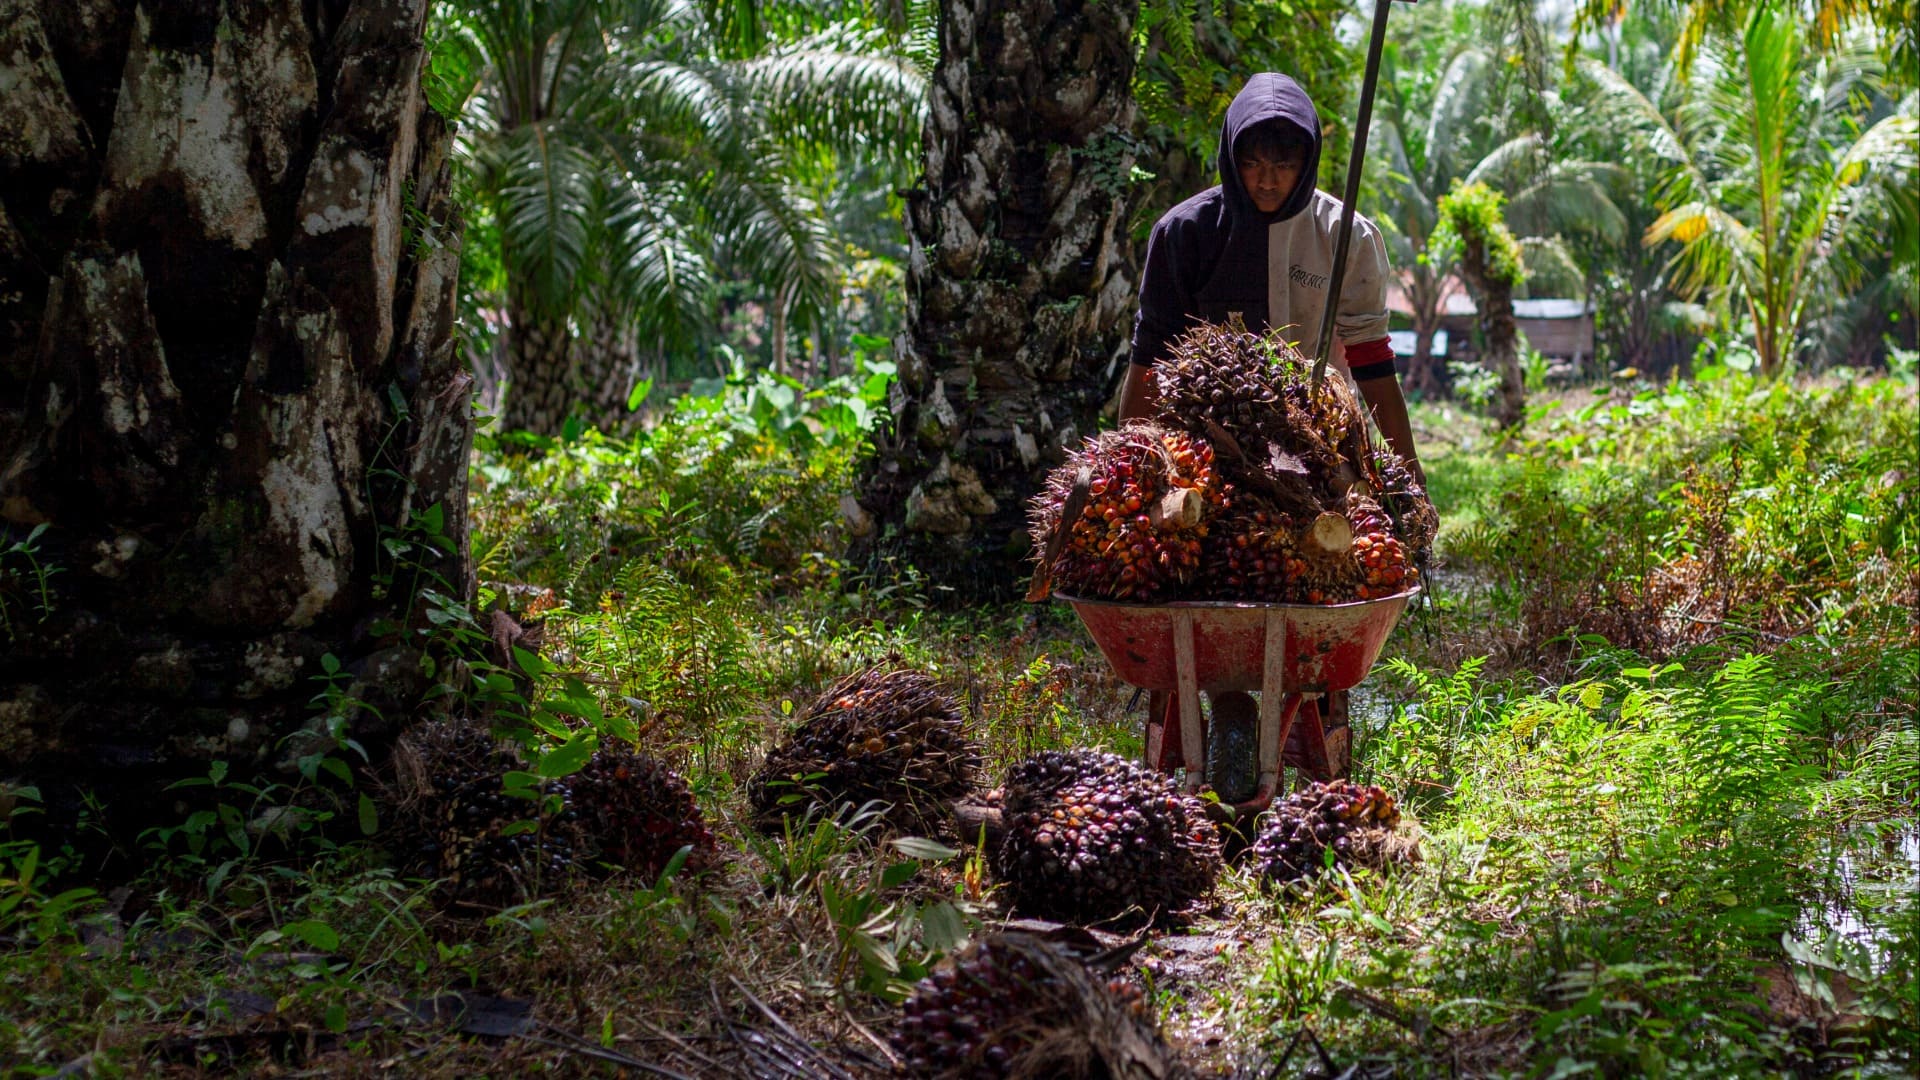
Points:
(25, 580)
(1768, 218)
(888, 945)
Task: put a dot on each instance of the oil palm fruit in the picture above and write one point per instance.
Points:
(1138, 535)
(1250, 554)
(888, 735)
(452, 818)
(1352, 821)
(1276, 494)
(1414, 520)
(1092, 836)
(1257, 389)
(636, 813)
(1383, 565)
(1016, 1005)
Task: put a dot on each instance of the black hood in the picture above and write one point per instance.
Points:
(1269, 96)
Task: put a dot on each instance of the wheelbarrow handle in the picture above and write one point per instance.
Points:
(1375, 42)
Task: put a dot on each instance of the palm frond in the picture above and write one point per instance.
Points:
(661, 275)
(546, 190)
(1621, 107)
(1458, 104)
(1512, 163)
(1551, 268)
(840, 89)
(1716, 247)
(1566, 201)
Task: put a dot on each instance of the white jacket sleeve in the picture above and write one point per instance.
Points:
(1363, 295)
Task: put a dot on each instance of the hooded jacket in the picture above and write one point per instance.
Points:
(1216, 254)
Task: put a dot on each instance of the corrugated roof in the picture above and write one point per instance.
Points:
(1403, 342)
(1549, 309)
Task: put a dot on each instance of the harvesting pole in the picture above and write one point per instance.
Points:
(1376, 40)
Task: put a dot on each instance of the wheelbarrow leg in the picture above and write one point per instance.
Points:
(1193, 733)
(1312, 756)
(1277, 709)
(1162, 750)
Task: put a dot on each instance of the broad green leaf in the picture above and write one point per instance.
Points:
(919, 847)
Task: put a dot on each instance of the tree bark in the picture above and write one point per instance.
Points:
(540, 390)
(1425, 375)
(227, 377)
(1019, 283)
(610, 366)
(1493, 295)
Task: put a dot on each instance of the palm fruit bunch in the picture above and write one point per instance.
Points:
(1252, 553)
(888, 735)
(1137, 533)
(455, 820)
(1091, 836)
(1414, 519)
(1385, 566)
(636, 813)
(1257, 390)
(1304, 526)
(1017, 1005)
(1354, 821)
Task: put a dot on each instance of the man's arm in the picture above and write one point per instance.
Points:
(1389, 409)
(1137, 393)
(1361, 343)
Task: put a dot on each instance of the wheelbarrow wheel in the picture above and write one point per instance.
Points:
(1233, 745)
(1323, 754)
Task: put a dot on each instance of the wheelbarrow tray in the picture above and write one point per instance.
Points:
(1323, 646)
(1286, 651)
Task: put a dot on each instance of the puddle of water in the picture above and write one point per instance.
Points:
(1873, 877)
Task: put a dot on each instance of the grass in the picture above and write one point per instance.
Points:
(1658, 731)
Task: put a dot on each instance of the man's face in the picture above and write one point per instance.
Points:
(1269, 179)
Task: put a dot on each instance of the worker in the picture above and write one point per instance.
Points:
(1260, 246)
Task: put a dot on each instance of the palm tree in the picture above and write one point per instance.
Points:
(1776, 204)
(635, 151)
(1473, 236)
(1897, 23)
(1549, 195)
(1020, 284)
(238, 405)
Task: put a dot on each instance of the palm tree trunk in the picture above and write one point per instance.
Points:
(1422, 376)
(1493, 295)
(540, 393)
(609, 366)
(235, 321)
(1019, 284)
(777, 330)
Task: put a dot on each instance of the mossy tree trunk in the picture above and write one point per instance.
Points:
(227, 380)
(1500, 335)
(1020, 284)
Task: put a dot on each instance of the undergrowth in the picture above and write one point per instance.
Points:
(1678, 515)
(1659, 731)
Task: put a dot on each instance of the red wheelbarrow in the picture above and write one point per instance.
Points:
(1285, 651)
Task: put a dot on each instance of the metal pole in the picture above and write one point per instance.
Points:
(1375, 41)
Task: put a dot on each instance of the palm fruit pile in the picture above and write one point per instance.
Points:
(1356, 822)
(452, 818)
(637, 813)
(1138, 535)
(1091, 836)
(1290, 503)
(455, 821)
(1015, 1005)
(887, 735)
